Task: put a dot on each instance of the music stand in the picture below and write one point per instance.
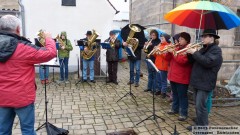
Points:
(154, 115)
(129, 93)
(106, 45)
(81, 43)
(51, 129)
(55, 61)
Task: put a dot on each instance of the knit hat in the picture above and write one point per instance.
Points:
(176, 37)
(167, 37)
(186, 36)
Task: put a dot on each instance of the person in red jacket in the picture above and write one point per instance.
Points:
(17, 75)
(162, 64)
(179, 76)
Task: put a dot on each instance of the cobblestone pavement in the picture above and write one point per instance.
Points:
(92, 109)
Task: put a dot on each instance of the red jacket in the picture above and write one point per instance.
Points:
(17, 72)
(160, 61)
(180, 68)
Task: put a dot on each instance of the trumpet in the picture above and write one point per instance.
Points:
(157, 50)
(197, 45)
(146, 47)
(112, 41)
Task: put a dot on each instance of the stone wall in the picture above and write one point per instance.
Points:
(9, 4)
(150, 13)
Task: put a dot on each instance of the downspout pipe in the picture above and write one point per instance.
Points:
(22, 12)
(173, 25)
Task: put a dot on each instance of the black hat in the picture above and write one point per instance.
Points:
(89, 33)
(176, 37)
(210, 32)
(167, 37)
(186, 36)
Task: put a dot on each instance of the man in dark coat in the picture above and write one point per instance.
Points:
(207, 62)
(112, 57)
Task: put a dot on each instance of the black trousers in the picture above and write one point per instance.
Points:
(112, 70)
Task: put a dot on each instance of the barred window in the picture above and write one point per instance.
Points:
(237, 32)
(68, 2)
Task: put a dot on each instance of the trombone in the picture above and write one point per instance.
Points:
(196, 45)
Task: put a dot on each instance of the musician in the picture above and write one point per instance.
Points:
(162, 64)
(206, 64)
(151, 71)
(112, 57)
(43, 73)
(63, 53)
(135, 62)
(89, 62)
(17, 75)
(179, 73)
(176, 41)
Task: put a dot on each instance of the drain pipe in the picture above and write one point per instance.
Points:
(22, 17)
(173, 25)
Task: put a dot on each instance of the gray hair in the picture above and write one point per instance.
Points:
(9, 23)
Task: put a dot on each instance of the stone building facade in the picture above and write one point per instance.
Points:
(150, 13)
(9, 7)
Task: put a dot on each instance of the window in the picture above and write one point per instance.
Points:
(68, 2)
(237, 32)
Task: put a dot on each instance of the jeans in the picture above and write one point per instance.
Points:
(201, 98)
(63, 68)
(136, 64)
(209, 101)
(161, 81)
(180, 98)
(91, 66)
(41, 72)
(26, 116)
(151, 77)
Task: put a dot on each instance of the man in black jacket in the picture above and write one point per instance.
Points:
(112, 57)
(207, 62)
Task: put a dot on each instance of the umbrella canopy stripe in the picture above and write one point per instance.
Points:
(204, 15)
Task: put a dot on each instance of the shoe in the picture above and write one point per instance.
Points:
(164, 95)
(158, 93)
(84, 80)
(129, 83)
(189, 128)
(60, 81)
(182, 118)
(67, 81)
(115, 82)
(47, 81)
(171, 112)
(141, 74)
(93, 81)
(147, 90)
(136, 84)
(109, 81)
(42, 81)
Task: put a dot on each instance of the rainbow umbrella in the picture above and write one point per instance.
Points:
(203, 15)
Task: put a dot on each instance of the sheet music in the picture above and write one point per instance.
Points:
(52, 62)
(153, 65)
(130, 48)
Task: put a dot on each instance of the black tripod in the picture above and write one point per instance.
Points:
(53, 80)
(130, 93)
(154, 116)
(51, 129)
